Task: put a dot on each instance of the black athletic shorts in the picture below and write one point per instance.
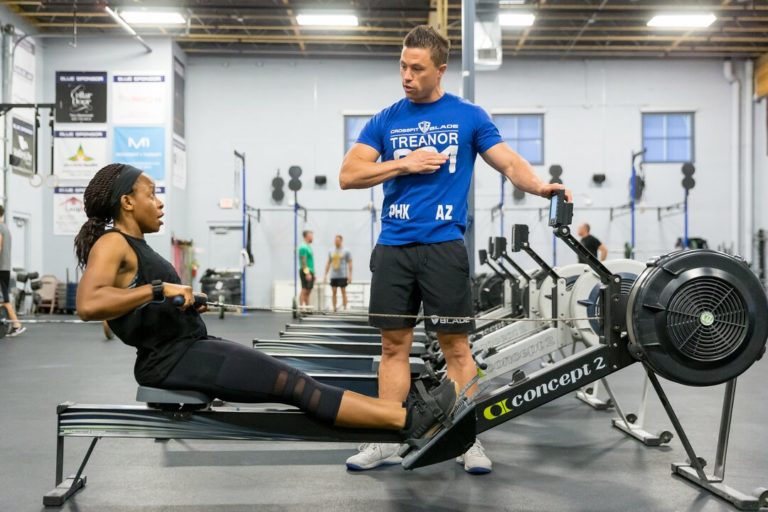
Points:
(339, 282)
(406, 276)
(5, 285)
(306, 284)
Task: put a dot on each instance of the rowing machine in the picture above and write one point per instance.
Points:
(694, 317)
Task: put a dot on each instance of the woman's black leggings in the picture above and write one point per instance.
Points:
(235, 373)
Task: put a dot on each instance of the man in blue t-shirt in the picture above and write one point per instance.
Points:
(427, 143)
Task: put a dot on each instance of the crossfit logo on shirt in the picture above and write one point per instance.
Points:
(425, 136)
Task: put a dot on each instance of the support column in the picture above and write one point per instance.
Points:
(468, 93)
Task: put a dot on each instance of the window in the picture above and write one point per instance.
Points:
(668, 137)
(524, 133)
(353, 125)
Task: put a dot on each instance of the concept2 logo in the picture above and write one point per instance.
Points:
(507, 405)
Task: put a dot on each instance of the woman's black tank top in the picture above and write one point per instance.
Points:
(160, 331)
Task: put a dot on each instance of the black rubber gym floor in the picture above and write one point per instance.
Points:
(563, 456)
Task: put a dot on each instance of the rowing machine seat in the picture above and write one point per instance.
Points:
(171, 398)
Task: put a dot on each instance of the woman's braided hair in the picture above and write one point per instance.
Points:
(99, 209)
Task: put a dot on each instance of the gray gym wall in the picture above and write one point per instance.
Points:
(761, 164)
(290, 112)
(23, 199)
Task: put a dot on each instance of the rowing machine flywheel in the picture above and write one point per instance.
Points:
(698, 317)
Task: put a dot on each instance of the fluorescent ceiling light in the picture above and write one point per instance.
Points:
(510, 19)
(141, 17)
(327, 20)
(682, 20)
(511, 2)
(120, 21)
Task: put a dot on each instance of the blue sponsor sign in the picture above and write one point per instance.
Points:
(143, 148)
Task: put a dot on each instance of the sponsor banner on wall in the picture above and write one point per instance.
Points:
(22, 146)
(141, 147)
(179, 176)
(78, 154)
(160, 194)
(81, 97)
(138, 98)
(24, 66)
(69, 209)
(178, 97)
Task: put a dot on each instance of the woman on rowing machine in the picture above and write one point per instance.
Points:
(131, 286)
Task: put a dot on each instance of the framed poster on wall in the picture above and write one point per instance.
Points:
(22, 146)
(78, 154)
(141, 147)
(178, 98)
(138, 99)
(81, 97)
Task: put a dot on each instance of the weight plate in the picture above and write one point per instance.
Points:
(294, 184)
(555, 171)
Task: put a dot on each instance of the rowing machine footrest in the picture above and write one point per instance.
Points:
(165, 398)
(446, 444)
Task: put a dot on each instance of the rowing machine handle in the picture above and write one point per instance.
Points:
(200, 300)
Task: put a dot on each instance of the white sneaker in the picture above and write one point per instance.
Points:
(15, 331)
(475, 461)
(373, 455)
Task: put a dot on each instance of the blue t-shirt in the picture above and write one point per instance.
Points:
(429, 208)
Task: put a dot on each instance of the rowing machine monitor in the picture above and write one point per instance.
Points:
(499, 244)
(560, 211)
(483, 254)
(519, 237)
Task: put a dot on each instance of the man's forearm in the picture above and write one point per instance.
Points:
(523, 176)
(357, 173)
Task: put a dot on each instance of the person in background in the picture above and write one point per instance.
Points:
(5, 276)
(340, 266)
(592, 244)
(306, 267)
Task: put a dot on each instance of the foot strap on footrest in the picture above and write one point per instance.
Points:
(434, 407)
(450, 442)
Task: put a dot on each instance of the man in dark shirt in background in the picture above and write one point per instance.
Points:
(592, 244)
